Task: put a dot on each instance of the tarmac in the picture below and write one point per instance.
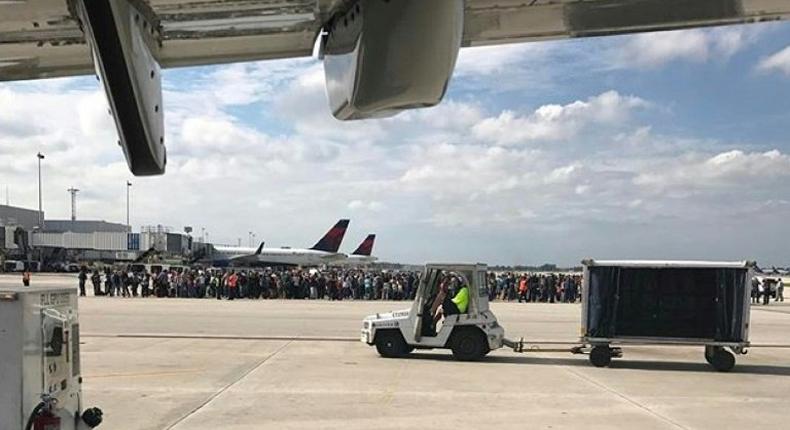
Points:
(208, 364)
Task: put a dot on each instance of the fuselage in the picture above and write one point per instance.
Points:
(359, 260)
(275, 256)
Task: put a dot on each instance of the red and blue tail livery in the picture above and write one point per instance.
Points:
(333, 238)
(366, 247)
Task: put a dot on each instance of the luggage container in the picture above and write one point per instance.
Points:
(697, 303)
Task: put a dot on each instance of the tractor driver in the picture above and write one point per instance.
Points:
(458, 304)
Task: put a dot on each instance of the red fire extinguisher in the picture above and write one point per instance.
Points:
(46, 421)
(42, 418)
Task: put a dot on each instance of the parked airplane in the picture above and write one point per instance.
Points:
(374, 65)
(362, 255)
(238, 256)
(323, 252)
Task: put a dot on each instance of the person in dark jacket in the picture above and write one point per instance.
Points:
(82, 278)
(767, 290)
(96, 281)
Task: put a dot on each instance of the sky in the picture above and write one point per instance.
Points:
(669, 145)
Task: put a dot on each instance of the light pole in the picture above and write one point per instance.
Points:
(73, 191)
(249, 238)
(203, 234)
(128, 186)
(40, 157)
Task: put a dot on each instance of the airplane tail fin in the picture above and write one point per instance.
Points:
(332, 239)
(366, 247)
(260, 248)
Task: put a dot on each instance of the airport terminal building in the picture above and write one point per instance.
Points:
(64, 241)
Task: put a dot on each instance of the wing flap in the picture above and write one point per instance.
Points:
(489, 22)
(42, 39)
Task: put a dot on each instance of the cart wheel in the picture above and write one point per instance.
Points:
(709, 351)
(468, 344)
(601, 356)
(391, 344)
(722, 360)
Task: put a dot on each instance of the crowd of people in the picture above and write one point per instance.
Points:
(294, 283)
(340, 284)
(332, 284)
(766, 288)
(535, 287)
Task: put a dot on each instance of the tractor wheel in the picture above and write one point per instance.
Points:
(601, 356)
(468, 344)
(722, 360)
(390, 344)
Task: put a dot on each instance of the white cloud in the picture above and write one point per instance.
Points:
(449, 115)
(778, 62)
(557, 122)
(488, 60)
(238, 84)
(731, 169)
(373, 205)
(563, 174)
(654, 50)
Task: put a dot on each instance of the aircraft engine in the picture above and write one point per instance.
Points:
(385, 56)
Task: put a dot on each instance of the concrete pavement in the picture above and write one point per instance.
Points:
(208, 364)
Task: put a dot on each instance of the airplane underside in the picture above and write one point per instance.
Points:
(380, 57)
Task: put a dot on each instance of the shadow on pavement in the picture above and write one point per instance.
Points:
(581, 361)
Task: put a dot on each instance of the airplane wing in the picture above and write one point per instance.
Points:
(380, 57)
(248, 257)
(43, 38)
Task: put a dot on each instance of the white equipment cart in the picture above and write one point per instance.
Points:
(40, 380)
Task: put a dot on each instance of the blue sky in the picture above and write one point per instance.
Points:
(660, 145)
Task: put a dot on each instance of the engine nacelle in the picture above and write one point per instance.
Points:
(385, 56)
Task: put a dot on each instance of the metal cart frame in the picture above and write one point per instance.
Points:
(602, 350)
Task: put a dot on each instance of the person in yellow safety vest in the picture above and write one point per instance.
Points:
(461, 299)
(459, 304)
